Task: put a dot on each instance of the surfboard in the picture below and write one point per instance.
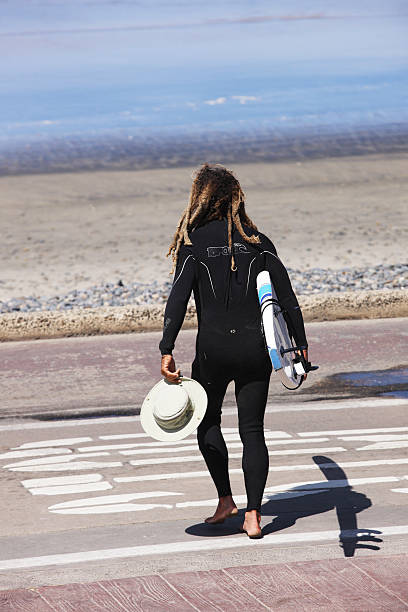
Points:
(287, 361)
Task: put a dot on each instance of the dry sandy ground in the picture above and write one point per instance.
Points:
(73, 230)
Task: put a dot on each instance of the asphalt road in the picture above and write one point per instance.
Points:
(87, 496)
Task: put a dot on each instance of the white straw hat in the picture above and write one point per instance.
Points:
(173, 411)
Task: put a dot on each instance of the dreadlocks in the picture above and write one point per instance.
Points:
(215, 194)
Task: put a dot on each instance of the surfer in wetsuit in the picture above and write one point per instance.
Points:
(217, 252)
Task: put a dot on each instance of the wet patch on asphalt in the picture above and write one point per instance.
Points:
(392, 382)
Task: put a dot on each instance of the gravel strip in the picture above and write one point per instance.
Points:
(305, 282)
(125, 319)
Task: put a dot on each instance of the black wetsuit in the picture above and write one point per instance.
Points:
(230, 344)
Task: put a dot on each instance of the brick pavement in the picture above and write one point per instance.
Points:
(361, 584)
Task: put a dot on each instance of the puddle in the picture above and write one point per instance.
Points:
(376, 378)
(398, 394)
(373, 383)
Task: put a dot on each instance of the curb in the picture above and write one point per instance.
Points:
(124, 319)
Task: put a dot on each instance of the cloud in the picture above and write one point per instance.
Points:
(245, 99)
(216, 101)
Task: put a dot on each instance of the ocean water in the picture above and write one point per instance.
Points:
(142, 77)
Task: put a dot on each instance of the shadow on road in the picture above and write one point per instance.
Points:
(287, 507)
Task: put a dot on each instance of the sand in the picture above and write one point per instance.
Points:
(67, 231)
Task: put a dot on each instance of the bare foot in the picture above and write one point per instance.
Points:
(252, 524)
(226, 507)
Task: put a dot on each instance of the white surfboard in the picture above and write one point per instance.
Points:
(277, 336)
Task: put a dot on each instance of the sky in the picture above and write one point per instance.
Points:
(92, 67)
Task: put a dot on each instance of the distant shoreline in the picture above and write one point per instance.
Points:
(123, 152)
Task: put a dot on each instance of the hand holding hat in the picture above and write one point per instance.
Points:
(168, 369)
(173, 410)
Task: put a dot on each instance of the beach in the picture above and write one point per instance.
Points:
(69, 231)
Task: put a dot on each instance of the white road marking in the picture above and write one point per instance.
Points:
(145, 451)
(375, 438)
(124, 436)
(113, 509)
(149, 451)
(61, 480)
(305, 407)
(342, 482)
(225, 430)
(296, 489)
(185, 459)
(242, 499)
(188, 546)
(172, 447)
(280, 436)
(400, 490)
(272, 468)
(34, 453)
(171, 476)
(45, 460)
(48, 443)
(71, 423)
(384, 445)
(109, 500)
(228, 435)
(68, 467)
(344, 432)
(106, 447)
(77, 488)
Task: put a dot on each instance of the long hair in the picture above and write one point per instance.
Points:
(215, 194)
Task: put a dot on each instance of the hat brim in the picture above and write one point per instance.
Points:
(198, 398)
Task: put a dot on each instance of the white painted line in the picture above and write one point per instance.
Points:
(171, 476)
(159, 460)
(272, 468)
(295, 489)
(228, 437)
(119, 447)
(344, 464)
(124, 436)
(242, 499)
(34, 453)
(225, 430)
(68, 467)
(188, 546)
(61, 480)
(229, 433)
(376, 438)
(158, 451)
(77, 488)
(45, 460)
(384, 445)
(71, 423)
(109, 500)
(145, 451)
(184, 445)
(305, 407)
(400, 490)
(49, 443)
(195, 458)
(113, 509)
(344, 432)
(332, 484)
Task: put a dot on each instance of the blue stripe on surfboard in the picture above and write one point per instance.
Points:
(264, 291)
(276, 362)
